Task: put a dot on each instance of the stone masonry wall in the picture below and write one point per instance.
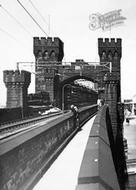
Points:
(97, 169)
(22, 162)
(26, 156)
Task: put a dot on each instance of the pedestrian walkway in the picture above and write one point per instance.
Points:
(63, 173)
(130, 135)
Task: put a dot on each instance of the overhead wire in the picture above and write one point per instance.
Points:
(32, 18)
(14, 18)
(42, 17)
(38, 12)
(8, 34)
(13, 38)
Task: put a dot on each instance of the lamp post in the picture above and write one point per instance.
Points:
(63, 94)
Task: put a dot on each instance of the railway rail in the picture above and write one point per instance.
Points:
(10, 129)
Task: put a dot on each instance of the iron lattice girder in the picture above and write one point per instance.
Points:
(94, 70)
(99, 66)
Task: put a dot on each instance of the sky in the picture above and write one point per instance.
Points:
(69, 20)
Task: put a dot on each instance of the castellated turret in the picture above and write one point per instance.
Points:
(48, 53)
(17, 83)
(48, 49)
(110, 50)
(109, 45)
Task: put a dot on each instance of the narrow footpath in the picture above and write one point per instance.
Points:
(63, 173)
(130, 136)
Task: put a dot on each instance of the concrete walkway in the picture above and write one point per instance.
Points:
(130, 135)
(63, 173)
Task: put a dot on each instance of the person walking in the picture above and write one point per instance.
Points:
(127, 113)
(75, 111)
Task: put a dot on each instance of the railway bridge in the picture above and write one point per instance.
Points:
(28, 147)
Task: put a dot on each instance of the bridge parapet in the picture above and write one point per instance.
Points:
(26, 156)
(97, 169)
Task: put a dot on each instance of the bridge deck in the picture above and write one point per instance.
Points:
(15, 128)
(64, 171)
(130, 135)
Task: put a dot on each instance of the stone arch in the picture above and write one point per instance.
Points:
(103, 56)
(73, 78)
(53, 55)
(115, 55)
(68, 84)
(45, 55)
(39, 55)
(109, 56)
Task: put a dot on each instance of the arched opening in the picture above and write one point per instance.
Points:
(77, 90)
(39, 55)
(103, 56)
(109, 56)
(45, 55)
(115, 55)
(53, 55)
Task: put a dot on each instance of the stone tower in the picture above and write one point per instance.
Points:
(48, 53)
(17, 83)
(110, 50)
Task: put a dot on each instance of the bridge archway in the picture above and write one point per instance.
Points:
(71, 92)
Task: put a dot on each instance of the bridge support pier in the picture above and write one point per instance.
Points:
(112, 98)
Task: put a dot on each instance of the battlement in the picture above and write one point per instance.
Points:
(109, 42)
(47, 41)
(11, 76)
(110, 46)
(46, 47)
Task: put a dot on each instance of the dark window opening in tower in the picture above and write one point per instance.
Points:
(39, 55)
(46, 55)
(103, 55)
(52, 55)
(115, 55)
(110, 56)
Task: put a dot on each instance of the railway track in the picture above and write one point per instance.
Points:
(10, 129)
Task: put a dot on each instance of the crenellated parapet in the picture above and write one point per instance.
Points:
(111, 42)
(17, 83)
(43, 41)
(109, 49)
(48, 49)
(17, 77)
